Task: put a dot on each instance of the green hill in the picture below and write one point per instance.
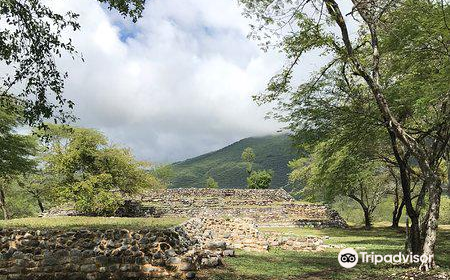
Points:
(225, 165)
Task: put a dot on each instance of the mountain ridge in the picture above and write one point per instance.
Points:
(226, 167)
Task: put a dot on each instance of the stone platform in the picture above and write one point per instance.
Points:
(273, 207)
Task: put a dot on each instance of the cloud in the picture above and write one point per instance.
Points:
(176, 84)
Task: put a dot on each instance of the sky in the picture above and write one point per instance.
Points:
(176, 84)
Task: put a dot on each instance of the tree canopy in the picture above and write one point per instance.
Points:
(392, 76)
(91, 173)
(30, 42)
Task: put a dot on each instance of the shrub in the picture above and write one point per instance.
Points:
(211, 183)
(259, 180)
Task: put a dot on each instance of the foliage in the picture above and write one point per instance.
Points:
(333, 171)
(227, 168)
(16, 150)
(90, 173)
(445, 211)
(352, 213)
(396, 66)
(260, 179)
(31, 39)
(211, 183)
(19, 203)
(248, 156)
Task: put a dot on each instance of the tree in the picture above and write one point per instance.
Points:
(328, 174)
(211, 183)
(88, 172)
(16, 150)
(248, 156)
(399, 49)
(31, 39)
(38, 186)
(260, 179)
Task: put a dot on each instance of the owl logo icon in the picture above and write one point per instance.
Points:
(348, 258)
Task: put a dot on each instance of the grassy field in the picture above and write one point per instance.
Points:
(91, 222)
(281, 265)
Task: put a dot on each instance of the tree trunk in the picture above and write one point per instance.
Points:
(429, 243)
(409, 144)
(448, 172)
(367, 219)
(3, 204)
(397, 214)
(41, 205)
(366, 210)
(414, 232)
(414, 236)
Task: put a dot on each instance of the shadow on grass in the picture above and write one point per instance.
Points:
(289, 265)
(280, 264)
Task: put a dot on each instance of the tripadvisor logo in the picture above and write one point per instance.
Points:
(348, 258)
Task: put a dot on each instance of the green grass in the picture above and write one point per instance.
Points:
(90, 222)
(280, 264)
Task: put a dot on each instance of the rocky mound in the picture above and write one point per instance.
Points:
(226, 235)
(265, 207)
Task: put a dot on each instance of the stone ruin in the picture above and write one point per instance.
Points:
(102, 254)
(93, 254)
(266, 208)
(219, 221)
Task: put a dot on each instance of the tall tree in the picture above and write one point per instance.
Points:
(334, 170)
(90, 173)
(248, 156)
(16, 150)
(400, 48)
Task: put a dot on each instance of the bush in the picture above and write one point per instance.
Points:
(211, 183)
(259, 180)
(96, 197)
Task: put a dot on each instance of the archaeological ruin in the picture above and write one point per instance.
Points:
(218, 222)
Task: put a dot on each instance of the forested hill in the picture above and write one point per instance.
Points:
(226, 167)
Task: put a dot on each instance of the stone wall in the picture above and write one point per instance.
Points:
(147, 253)
(101, 254)
(273, 207)
(231, 234)
(193, 197)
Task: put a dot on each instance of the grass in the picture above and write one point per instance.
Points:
(90, 222)
(280, 264)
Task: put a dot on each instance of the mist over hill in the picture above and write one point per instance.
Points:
(226, 167)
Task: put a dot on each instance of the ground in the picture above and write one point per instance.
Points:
(282, 265)
(279, 264)
(91, 222)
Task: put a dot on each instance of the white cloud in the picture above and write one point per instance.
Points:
(179, 83)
